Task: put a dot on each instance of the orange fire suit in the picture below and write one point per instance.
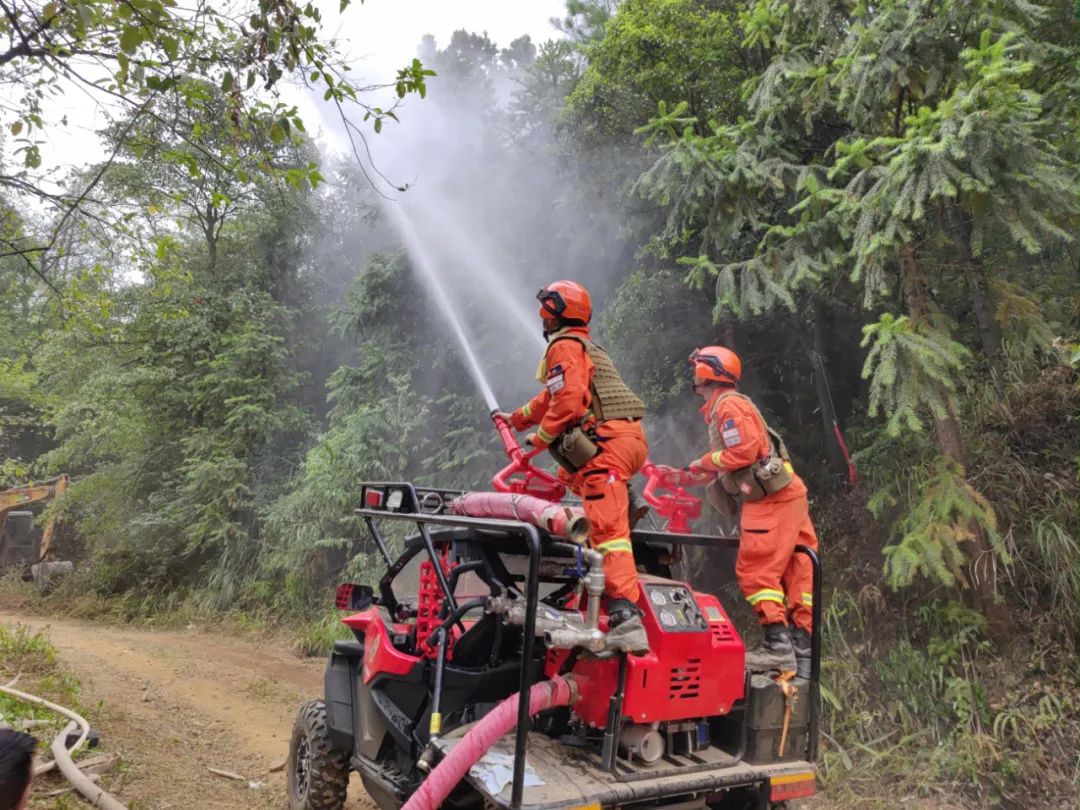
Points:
(602, 484)
(777, 582)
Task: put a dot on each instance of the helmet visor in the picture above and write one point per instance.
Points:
(551, 302)
(712, 363)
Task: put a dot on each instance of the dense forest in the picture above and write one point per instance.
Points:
(221, 327)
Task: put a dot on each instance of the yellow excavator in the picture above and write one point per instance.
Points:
(15, 498)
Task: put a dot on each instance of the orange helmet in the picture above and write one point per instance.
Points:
(716, 364)
(565, 301)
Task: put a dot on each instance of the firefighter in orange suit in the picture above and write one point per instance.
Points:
(591, 421)
(749, 463)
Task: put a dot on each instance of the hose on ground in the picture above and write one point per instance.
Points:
(62, 754)
(559, 691)
(79, 780)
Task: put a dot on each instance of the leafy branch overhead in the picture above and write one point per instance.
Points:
(222, 64)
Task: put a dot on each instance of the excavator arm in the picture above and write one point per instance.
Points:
(16, 497)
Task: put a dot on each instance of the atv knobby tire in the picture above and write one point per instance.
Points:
(318, 773)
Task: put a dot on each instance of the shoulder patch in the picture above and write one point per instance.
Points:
(556, 379)
(730, 434)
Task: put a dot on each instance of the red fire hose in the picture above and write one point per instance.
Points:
(559, 691)
(562, 521)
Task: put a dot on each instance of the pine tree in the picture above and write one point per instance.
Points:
(893, 147)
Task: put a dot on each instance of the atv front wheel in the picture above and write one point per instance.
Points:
(318, 773)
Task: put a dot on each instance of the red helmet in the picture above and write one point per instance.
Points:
(565, 301)
(716, 364)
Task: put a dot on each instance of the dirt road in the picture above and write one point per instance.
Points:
(178, 702)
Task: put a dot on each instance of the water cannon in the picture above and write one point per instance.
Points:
(678, 506)
(521, 476)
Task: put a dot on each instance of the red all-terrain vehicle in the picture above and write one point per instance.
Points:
(480, 678)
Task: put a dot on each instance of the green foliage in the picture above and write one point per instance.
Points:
(637, 324)
(177, 405)
(959, 135)
(944, 515)
(24, 651)
(317, 636)
(982, 148)
(1029, 474)
(393, 418)
(889, 151)
(585, 20)
(670, 51)
(925, 706)
(911, 366)
(33, 657)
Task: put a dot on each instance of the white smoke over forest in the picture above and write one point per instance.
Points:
(489, 207)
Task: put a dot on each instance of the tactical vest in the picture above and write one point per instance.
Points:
(611, 397)
(765, 476)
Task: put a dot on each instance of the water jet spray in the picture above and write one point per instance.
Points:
(425, 263)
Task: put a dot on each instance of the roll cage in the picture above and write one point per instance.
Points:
(402, 501)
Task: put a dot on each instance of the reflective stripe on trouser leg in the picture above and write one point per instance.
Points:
(765, 595)
(611, 546)
(768, 604)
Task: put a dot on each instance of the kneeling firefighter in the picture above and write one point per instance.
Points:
(590, 421)
(748, 467)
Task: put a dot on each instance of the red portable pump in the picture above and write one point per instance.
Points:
(693, 670)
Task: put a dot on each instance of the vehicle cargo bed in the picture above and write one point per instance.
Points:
(573, 776)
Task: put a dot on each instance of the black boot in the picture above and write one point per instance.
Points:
(800, 640)
(626, 633)
(775, 652)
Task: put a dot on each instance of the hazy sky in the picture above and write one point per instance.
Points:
(384, 34)
(387, 31)
(381, 34)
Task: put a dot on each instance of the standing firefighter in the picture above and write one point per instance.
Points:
(591, 422)
(748, 464)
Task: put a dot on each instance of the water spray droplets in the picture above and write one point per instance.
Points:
(425, 264)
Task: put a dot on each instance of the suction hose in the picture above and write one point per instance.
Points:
(559, 691)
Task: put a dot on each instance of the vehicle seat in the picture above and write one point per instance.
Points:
(473, 649)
